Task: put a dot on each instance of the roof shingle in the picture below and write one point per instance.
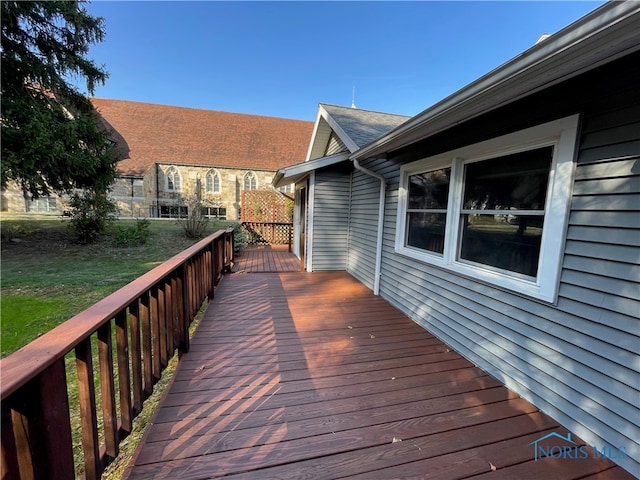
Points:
(147, 133)
(363, 126)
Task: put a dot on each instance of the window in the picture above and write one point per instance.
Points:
(287, 188)
(213, 182)
(250, 181)
(495, 211)
(173, 211)
(219, 213)
(173, 179)
(42, 205)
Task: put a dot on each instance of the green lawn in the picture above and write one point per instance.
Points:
(47, 278)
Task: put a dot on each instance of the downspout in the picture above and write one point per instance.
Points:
(157, 190)
(383, 189)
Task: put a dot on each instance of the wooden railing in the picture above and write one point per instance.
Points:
(273, 233)
(151, 318)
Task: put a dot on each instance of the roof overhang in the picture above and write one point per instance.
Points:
(321, 132)
(297, 173)
(604, 35)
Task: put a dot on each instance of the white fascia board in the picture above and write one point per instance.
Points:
(601, 36)
(316, 127)
(351, 145)
(295, 173)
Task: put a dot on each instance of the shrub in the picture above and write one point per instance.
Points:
(132, 236)
(239, 238)
(91, 212)
(195, 225)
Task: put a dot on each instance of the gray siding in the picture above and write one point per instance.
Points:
(335, 145)
(577, 360)
(363, 223)
(330, 220)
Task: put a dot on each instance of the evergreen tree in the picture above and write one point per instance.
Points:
(52, 138)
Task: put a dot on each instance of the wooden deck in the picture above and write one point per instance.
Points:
(299, 375)
(266, 258)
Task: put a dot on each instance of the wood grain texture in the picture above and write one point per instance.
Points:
(298, 375)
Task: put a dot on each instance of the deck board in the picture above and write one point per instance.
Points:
(266, 258)
(298, 375)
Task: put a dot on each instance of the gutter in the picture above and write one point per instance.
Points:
(383, 189)
(599, 37)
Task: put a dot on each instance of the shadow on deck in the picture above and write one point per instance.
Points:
(266, 258)
(298, 375)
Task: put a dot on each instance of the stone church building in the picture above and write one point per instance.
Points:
(165, 151)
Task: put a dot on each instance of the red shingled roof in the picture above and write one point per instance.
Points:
(147, 133)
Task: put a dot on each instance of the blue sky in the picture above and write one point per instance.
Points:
(283, 58)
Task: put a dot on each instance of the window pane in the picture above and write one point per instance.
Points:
(508, 242)
(429, 189)
(517, 181)
(426, 230)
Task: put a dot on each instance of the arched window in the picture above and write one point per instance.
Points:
(250, 181)
(213, 184)
(173, 179)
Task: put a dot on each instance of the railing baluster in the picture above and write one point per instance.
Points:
(183, 302)
(9, 465)
(88, 415)
(41, 426)
(175, 315)
(21, 434)
(168, 301)
(124, 377)
(191, 287)
(54, 404)
(155, 329)
(136, 356)
(145, 324)
(162, 328)
(107, 389)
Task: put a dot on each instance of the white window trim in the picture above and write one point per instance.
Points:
(559, 133)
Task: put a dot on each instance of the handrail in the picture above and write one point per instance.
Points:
(269, 232)
(151, 318)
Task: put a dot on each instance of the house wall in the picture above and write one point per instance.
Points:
(331, 219)
(363, 222)
(577, 360)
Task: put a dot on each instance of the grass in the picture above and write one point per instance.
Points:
(47, 278)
